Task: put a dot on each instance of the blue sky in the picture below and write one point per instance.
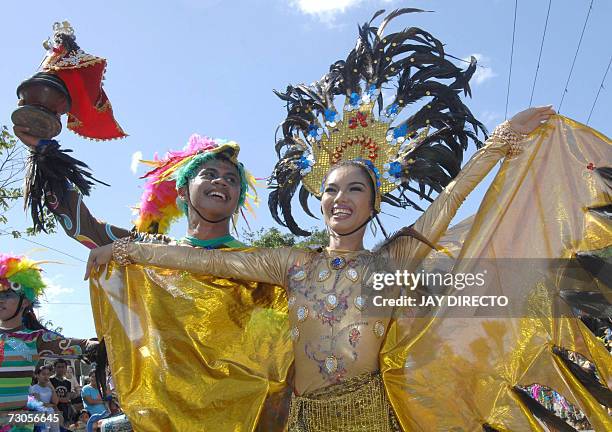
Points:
(209, 66)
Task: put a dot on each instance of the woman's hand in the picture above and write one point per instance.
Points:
(98, 259)
(529, 120)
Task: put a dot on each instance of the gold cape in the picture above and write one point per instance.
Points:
(195, 353)
(457, 373)
(192, 352)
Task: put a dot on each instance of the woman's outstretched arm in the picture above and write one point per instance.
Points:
(268, 265)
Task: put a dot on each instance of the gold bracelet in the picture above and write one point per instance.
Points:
(505, 133)
(120, 251)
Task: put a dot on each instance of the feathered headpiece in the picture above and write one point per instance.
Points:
(426, 147)
(22, 275)
(158, 205)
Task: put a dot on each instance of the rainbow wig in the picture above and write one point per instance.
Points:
(160, 205)
(22, 275)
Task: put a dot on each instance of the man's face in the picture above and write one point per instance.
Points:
(60, 369)
(215, 190)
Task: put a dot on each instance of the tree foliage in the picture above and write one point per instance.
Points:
(273, 237)
(12, 168)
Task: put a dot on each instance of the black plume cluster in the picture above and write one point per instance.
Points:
(49, 170)
(414, 62)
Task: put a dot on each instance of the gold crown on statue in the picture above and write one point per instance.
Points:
(59, 28)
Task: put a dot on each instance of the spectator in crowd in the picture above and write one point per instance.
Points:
(63, 389)
(92, 399)
(81, 424)
(70, 375)
(76, 401)
(44, 392)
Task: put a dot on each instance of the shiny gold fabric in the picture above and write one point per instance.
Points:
(440, 373)
(337, 343)
(358, 404)
(195, 353)
(456, 373)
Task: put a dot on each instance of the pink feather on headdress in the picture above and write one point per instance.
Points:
(7, 262)
(158, 209)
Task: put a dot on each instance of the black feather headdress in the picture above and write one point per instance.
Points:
(424, 149)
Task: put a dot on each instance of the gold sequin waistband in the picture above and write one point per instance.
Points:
(358, 404)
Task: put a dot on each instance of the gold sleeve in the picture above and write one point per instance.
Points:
(434, 222)
(267, 265)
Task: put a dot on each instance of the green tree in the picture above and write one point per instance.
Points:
(12, 168)
(273, 237)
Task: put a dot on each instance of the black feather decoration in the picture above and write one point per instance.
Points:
(593, 303)
(406, 232)
(413, 62)
(304, 194)
(598, 263)
(589, 380)
(604, 212)
(537, 409)
(101, 358)
(606, 174)
(49, 170)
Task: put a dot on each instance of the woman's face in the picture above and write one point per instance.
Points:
(9, 300)
(43, 376)
(347, 199)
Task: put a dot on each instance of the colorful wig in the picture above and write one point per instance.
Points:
(160, 205)
(22, 275)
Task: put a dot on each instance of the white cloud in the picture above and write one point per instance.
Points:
(136, 157)
(324, 10)
(484, 72)
(490, 119)
(321, 7)
(54, 293)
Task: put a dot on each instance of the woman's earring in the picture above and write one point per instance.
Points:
(373, 228)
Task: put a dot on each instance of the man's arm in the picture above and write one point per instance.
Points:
(57, 181)
(91, 399)
(49, 342)
(78, 222)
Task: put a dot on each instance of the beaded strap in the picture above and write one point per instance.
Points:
(120, 251)
(505, 133)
